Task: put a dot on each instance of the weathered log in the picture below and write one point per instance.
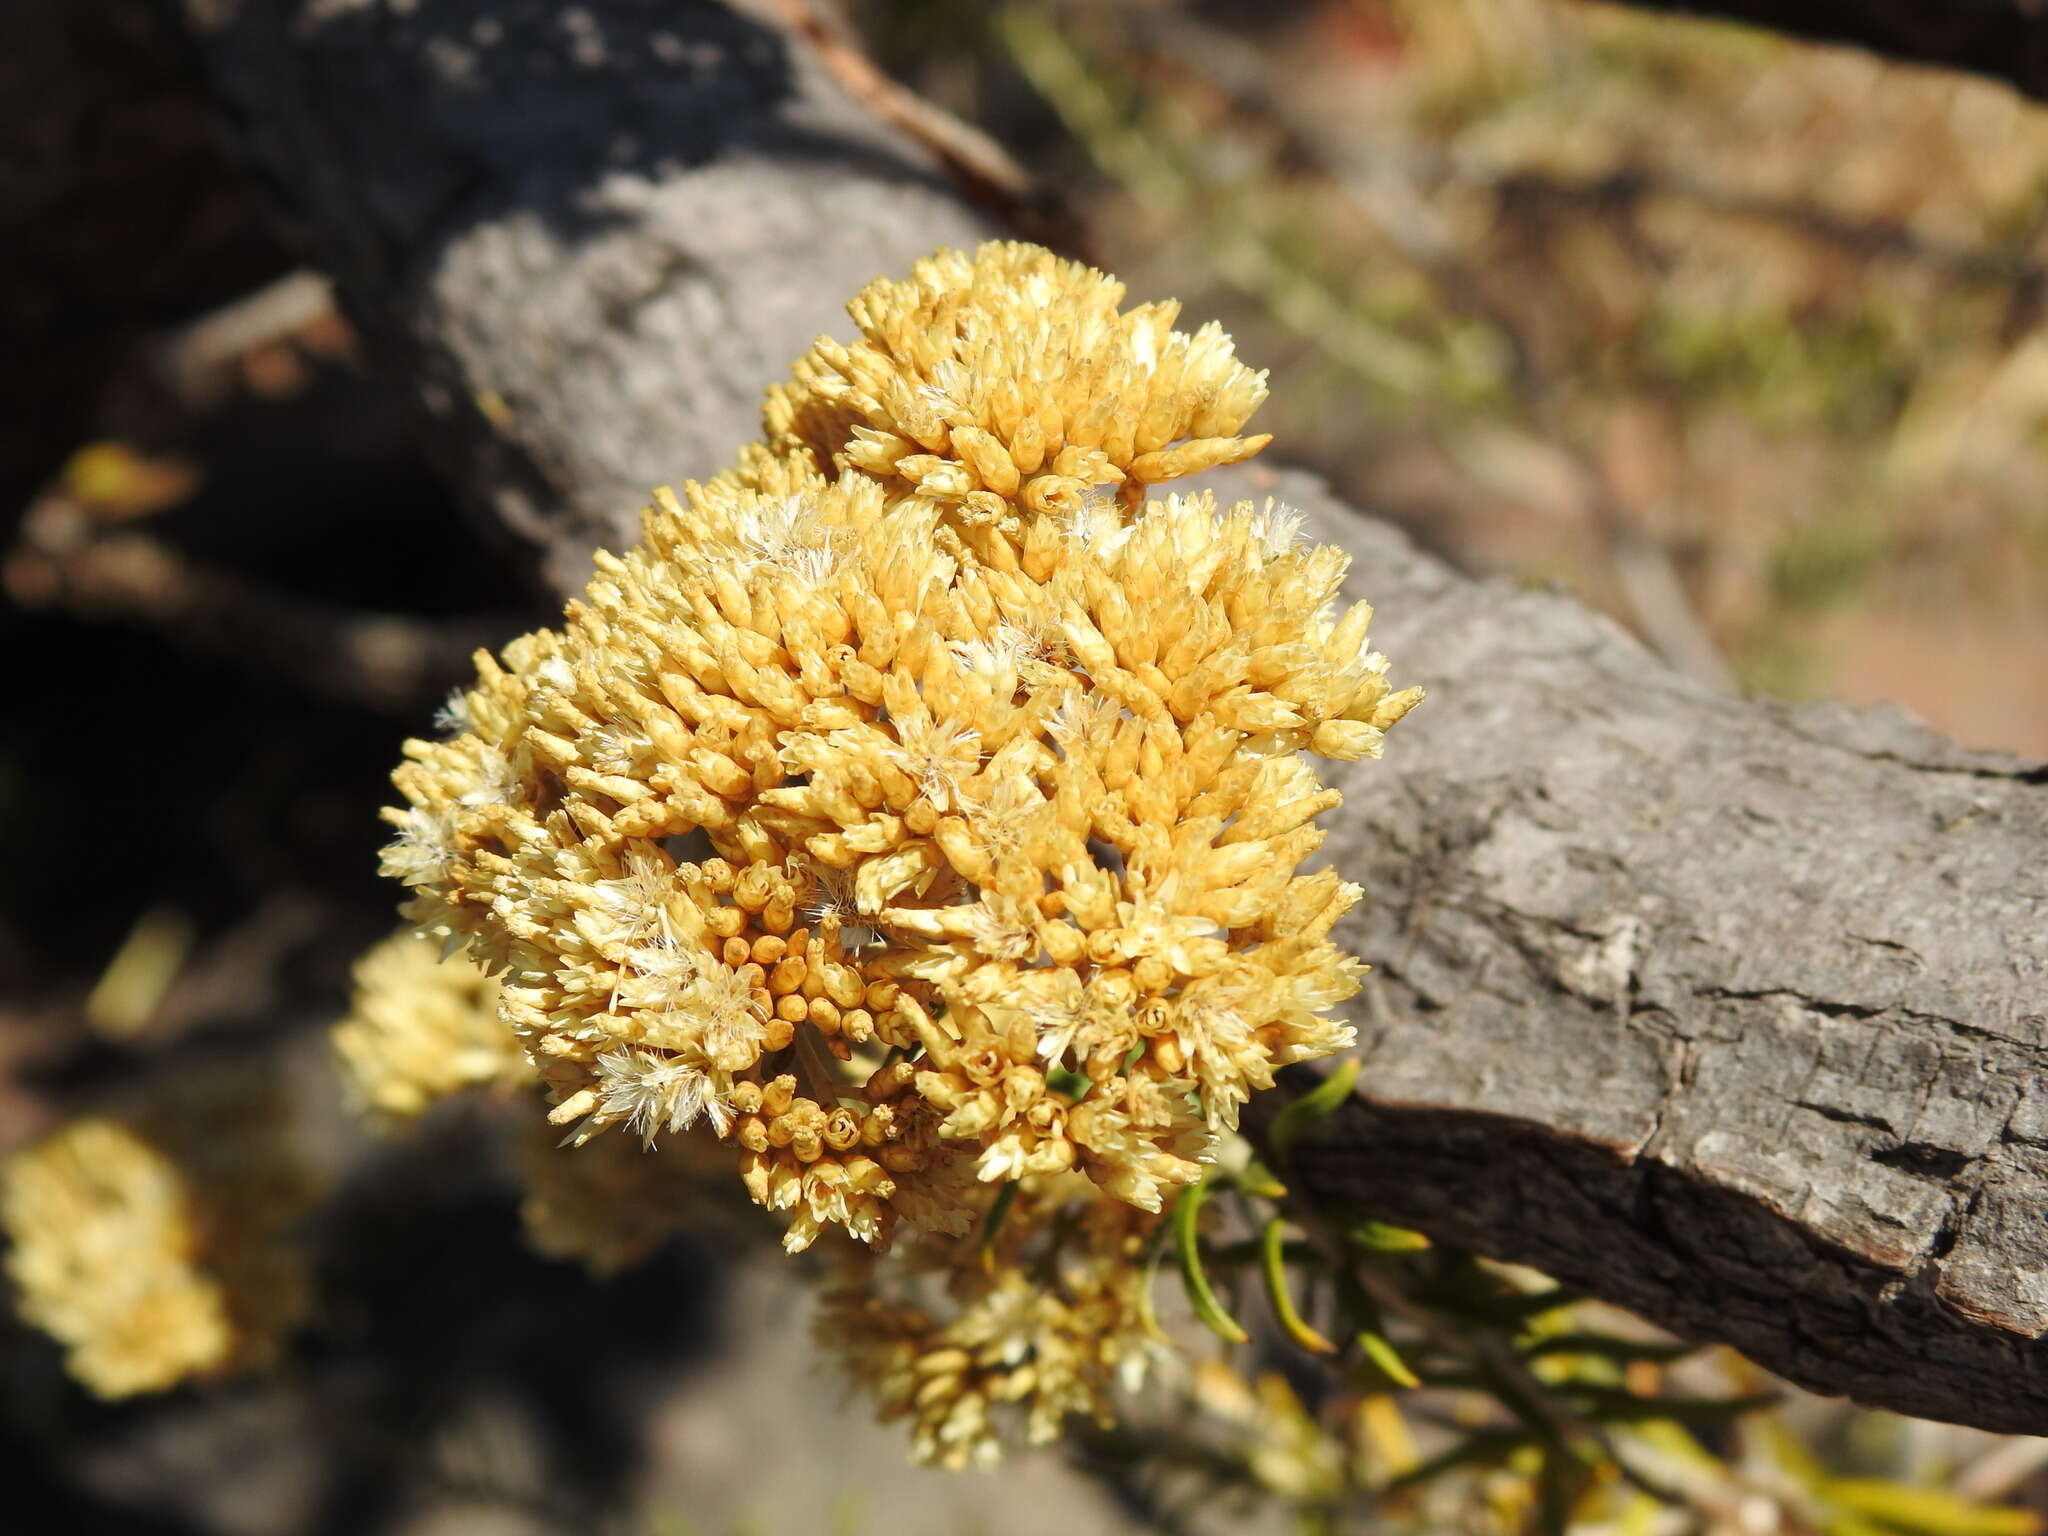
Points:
(1730, 1012)
(1733, 1013)
(591, 233)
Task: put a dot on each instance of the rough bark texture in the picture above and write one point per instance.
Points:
(1732, 1013)
(592, 231)
(2005, 39)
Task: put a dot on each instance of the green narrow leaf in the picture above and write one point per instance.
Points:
(1386, 1360)
(1273, 1265)
(1257, 1181)
(1229, 1255)
(1380, 1237)
(1187, 1237)
(1362, 1315)
(1480, 1299)
(993, 1224)
(1525, 1399)
(1535, 1305)
(1925, 1511)
(1554, 1493)
(1317, 1104)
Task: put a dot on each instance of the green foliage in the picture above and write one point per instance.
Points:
(1401, 1385)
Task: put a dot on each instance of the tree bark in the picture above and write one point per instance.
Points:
(1732, 1013)
(589, 233)
(2004, 39)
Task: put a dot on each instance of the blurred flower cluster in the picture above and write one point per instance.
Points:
(154, 1244)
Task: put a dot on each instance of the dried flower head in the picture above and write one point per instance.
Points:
(426, 1026)
(152, 1249)
(1008, 382)
(978, 1345)
(421, 1026)
(909, 856)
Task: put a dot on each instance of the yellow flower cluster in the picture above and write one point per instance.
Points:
(1045, 1319)
(422, 1027)
(903, 853)
(425, 1026)
(1007, 384)
(923, 822)
(153, 1249)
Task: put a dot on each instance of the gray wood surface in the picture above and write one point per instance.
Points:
(1730, 1012)
(588, 235)
(1734, 1013)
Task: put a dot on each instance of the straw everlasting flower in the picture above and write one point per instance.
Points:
(425, 1027)
(960, 1338)
(422, 1027)
(906, 815)
(1007, 383)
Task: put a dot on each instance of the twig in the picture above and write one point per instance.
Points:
(200, 358)
(984, 171)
